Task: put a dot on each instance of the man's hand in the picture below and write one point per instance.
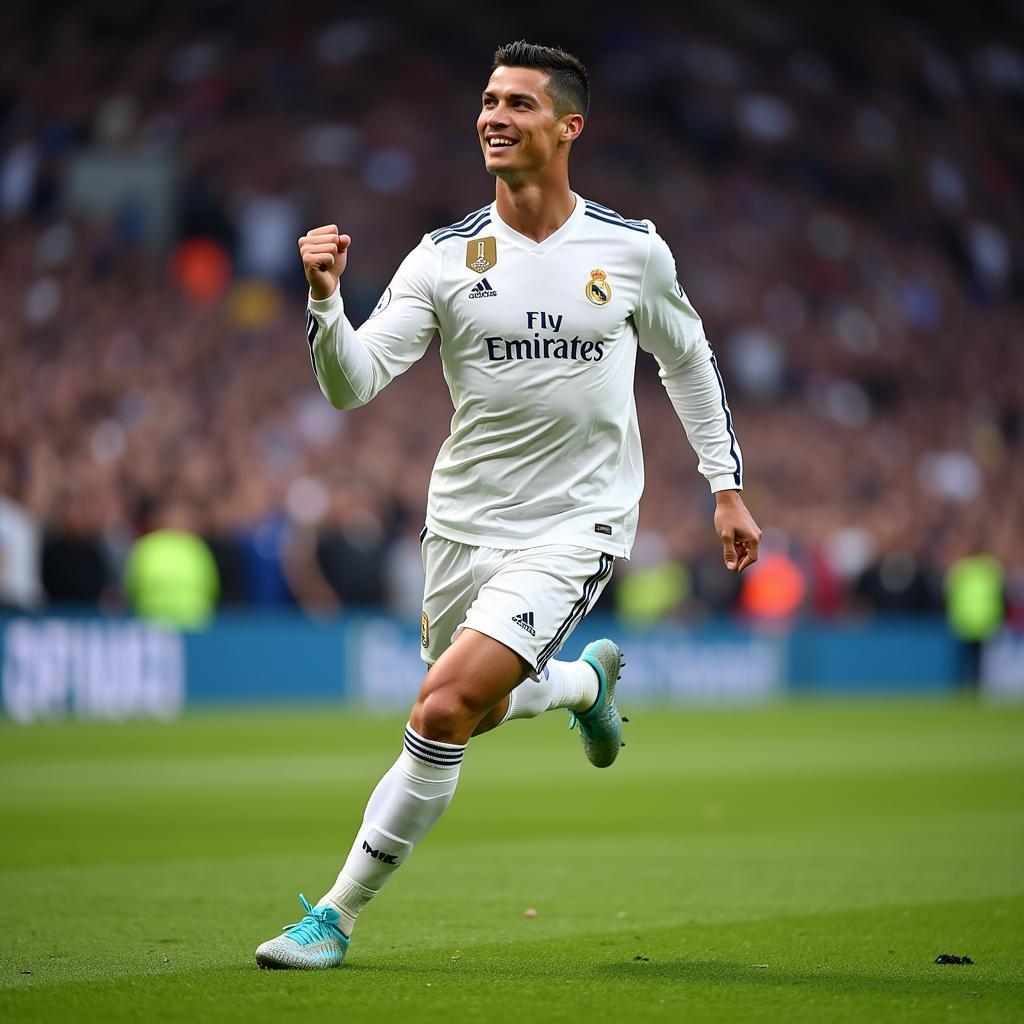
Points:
(324, 255)
(737, 530)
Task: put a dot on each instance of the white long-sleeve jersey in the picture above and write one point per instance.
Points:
(538, 344)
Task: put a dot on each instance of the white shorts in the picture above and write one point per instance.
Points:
(529, 599)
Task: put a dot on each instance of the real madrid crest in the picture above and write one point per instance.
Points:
(598, 289)
(481, 253)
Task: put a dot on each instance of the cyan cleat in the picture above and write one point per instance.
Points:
(313, 943)
(601, 726)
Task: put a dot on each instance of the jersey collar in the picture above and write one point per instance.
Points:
(503, 231)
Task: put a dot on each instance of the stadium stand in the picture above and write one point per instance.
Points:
(843, 198)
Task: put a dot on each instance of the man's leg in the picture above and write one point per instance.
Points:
(562, 684)
(465, 683)
(466, 692)
(585, 687)
(476, 684)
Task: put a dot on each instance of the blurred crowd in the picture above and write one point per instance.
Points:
(841, 190)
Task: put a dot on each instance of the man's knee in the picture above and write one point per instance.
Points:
(446, 713)
(467, 682)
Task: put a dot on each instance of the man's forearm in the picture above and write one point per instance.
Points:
(698, 397)
(346, 372)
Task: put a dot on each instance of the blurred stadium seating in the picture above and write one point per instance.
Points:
(841, 189)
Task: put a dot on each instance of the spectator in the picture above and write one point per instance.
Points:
(975, 608)
(171, 576)
(20, 537)
(75, 568)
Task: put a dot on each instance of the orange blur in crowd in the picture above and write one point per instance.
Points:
(774, 589)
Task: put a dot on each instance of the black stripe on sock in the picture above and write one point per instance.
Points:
(425, 752)
(446, 755)
(431, 759)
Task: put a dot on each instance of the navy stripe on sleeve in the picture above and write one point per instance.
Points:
(312, 326)
(733, 445)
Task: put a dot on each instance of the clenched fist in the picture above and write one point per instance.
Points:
(324, 255)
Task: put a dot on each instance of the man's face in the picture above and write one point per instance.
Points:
(518, 128)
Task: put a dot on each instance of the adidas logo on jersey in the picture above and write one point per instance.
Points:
(526, 621)
(482, 290)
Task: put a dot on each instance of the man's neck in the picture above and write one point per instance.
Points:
(534, 210)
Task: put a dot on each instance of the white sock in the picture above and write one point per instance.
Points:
(410, 798)
(563, 684)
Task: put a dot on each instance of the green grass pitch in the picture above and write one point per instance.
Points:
(802, 862)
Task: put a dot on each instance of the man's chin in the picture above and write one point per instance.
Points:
(495, 168)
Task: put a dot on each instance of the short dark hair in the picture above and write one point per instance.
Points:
(568, 81)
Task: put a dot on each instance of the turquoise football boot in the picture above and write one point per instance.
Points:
(313, 943)
(601, 725)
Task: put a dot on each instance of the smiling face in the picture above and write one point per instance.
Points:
(520, 132)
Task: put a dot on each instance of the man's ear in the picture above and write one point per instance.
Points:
(571, 127)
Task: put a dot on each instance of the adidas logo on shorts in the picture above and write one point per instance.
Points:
(482, 290)
(526, 621)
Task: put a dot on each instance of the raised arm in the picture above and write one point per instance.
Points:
(352, 366)
(670, 329)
